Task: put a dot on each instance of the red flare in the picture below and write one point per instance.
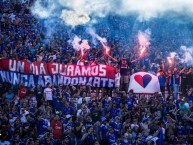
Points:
(169, 60)
(142, 51)
(107, 50)
(82, 53)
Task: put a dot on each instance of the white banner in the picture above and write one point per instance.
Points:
(143, 82)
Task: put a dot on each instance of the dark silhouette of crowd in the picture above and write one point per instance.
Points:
(82, 115)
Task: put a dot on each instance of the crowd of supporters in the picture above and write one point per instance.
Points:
(81, 115)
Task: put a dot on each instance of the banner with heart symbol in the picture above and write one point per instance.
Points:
(143, 82)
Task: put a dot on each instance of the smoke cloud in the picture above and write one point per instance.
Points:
(144, 38)
(73, 18)
(44, 9)
(103, 41)
(187, 56)
(79, 44)
(172, 56)
(184, 55)
(95, 36)
(78, 12)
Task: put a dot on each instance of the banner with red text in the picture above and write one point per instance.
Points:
(31, 74)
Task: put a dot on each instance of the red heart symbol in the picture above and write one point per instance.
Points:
(139, 80)
(143, 81)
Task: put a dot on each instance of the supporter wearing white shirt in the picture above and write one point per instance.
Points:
(23, 115)
(82, 99)
(48, 94)
(84, 111)
(117, 78)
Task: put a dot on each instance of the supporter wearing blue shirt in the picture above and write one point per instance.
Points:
(117, 125)
(154, 68)
(57, 104)
(113, 110)
(14, 111)
(117, 101)
(103, 130)
(105, 102)
(143, 138)
(89, 138)
(160, 134)
(135, 69)
(183, 129)
(67, 109)
(162, 80)
(176, 82)
(9, 95)
(190, 95)
(67, 124)
(147, 62)
(43, 125)
(67, 95)
(130, 101)
(111, 137)
(60, 91)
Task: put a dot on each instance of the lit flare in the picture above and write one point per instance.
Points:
(142, 50)
(82, 53)
(107, 50)
(169, 60)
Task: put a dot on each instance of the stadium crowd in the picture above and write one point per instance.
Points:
(80, 115)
